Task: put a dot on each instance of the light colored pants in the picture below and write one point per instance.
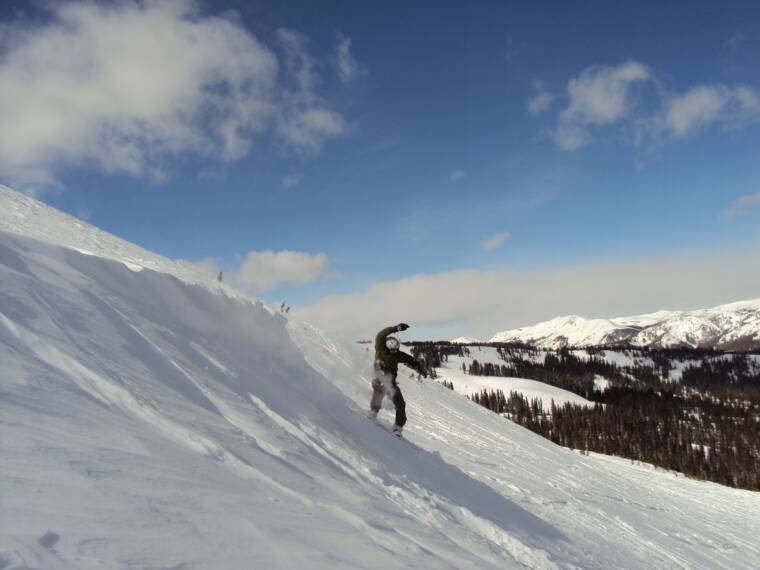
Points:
(384, 384)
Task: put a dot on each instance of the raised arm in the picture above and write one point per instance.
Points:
(411, 362)
(383, 334)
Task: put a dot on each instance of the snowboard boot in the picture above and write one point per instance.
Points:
(397, 430)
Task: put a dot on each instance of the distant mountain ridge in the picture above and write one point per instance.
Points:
(734, 326)
(465, 340)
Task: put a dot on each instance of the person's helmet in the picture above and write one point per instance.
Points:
(392, 343)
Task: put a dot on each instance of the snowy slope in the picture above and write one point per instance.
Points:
(726, 327)
(153, 421)
(148, 422)
(620, 515)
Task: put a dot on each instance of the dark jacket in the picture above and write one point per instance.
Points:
(388, 361)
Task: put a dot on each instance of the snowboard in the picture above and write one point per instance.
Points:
(384, 426)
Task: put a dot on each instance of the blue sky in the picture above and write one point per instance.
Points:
(362, 144)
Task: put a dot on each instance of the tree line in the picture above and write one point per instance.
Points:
(705, 438)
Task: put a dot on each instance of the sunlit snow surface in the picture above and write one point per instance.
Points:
(153, 419)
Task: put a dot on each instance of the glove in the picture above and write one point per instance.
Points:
(402, 326)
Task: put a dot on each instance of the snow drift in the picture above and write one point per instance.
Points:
(151, 418)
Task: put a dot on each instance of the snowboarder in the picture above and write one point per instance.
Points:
(387, 358)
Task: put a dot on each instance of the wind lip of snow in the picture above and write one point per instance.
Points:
(23, 215)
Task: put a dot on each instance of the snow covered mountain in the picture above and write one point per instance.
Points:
(735, 326)
(464, 340)
(151, 417)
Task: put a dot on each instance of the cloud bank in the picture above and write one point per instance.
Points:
(480, 303)
(124, 86)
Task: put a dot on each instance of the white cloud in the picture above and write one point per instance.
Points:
(298, 59)
(697, 107)
(348, 68)
(540, 103)
(480, 303)
(305, 122)
(210, 176)
(265, 270)
(306, 129)
(572, 136)
(602, 97)
(125, 86)
(495, 240)
(542, 99)
(457, 174)
(735, 41)
(703, 105)
(122, 86)
(742, 205)
(598, 96)
(291, 181)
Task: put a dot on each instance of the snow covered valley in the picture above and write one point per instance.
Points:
(153, 418)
